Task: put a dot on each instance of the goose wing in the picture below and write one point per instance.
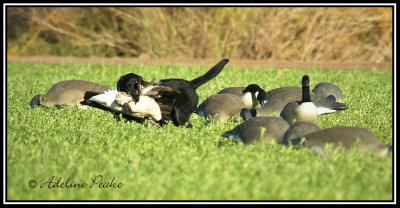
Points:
(276, 91)
(165, 97)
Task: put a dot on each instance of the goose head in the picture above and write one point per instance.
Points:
(258, 92)
(305, 81)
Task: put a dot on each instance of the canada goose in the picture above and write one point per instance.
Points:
(250, 95)
(322, 89)
(186, 102)
(250, 130)
(283, 96)
(303, 110)
(68, 92)
(223, 105)
(345, 135)
(151, 102)
(328, 90)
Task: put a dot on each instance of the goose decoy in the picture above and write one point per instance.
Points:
(224, 106)
(152, 101)
(250, 130)
(303, 110)
(250, 95)
(281, 97)
(68, 92)
(344, 135)
(322, 89)
(328, 90)
(286, 89)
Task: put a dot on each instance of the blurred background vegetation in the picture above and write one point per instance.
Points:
(267, 33)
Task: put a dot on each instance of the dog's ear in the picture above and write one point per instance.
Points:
(121, 84)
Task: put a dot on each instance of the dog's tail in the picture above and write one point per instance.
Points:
(214, 71)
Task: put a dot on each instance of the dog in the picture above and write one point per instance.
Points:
(185, 103)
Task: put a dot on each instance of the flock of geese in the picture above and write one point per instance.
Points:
(288, 114)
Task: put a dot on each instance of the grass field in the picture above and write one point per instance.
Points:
(176, 163)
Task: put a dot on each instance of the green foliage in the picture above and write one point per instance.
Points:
(176, 163)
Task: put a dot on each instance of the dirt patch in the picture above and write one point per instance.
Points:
(205, 62)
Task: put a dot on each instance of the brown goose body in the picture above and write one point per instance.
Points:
(225, 106)
(342, 135)
(251, 130)
(322, 89)
(269, 94)
(68, 92)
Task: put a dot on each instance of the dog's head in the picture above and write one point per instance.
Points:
(129, 84)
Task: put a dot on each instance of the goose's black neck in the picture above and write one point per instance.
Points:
(246, 114)
(306, 94)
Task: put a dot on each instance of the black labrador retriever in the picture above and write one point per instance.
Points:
(185, 103)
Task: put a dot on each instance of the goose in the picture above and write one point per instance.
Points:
(251, 130)
(345, 135)
(152, 101)
(322, 89)
(281, 97)
(67, 92)
(328, 90)
(303, 110)
(223, 105)
(250, 95)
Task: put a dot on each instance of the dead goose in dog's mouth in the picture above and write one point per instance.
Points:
(152, 101)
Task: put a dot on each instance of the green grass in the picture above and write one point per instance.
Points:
(176, 163)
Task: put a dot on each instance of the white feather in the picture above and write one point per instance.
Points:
(323, 110)
(106, 99)
(146, 107)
